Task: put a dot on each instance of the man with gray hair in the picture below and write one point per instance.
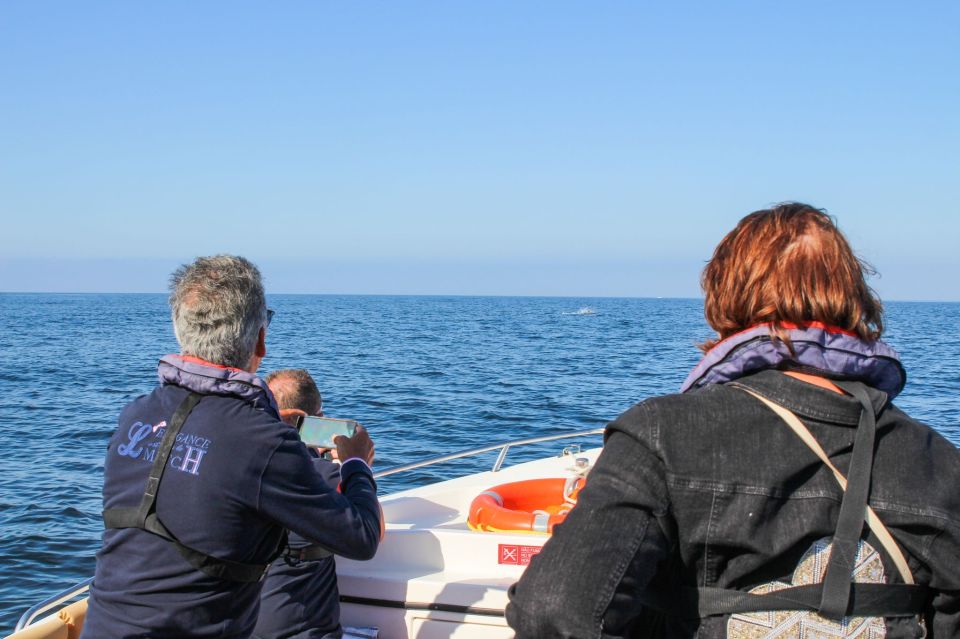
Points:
(202, 477)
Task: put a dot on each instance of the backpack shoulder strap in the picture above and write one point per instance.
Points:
(837, 596)
(873, 521)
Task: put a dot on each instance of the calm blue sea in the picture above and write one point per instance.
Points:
(426, 375)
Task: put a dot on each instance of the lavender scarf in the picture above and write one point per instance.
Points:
(830, 352)
(210, 379)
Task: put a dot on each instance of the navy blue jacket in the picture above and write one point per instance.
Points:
(236, 479)
(300, 600)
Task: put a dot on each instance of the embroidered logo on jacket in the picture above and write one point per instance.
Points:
(143, 440)
(800, 624)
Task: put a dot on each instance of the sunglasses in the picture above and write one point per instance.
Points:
(270, 314)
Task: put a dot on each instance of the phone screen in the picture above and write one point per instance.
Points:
(320, 431)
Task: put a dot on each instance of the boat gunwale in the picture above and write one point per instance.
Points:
(470, 452)
(27, 618)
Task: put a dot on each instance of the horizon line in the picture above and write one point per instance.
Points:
(524, 295)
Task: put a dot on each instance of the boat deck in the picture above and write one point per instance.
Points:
(431, 562)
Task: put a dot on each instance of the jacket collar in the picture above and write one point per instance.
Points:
(820, 349)
(807, 400)
(204, 377)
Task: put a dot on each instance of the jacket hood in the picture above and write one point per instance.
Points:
(199, 376)
(819, 349)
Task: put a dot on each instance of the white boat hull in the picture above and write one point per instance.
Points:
(435, 577)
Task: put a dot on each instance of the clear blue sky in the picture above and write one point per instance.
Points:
(581, 148)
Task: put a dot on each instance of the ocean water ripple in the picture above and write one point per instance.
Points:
(426, 376)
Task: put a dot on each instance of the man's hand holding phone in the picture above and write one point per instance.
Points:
(325, 433)
(359, 445)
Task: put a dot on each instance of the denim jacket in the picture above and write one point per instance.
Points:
(711, 488)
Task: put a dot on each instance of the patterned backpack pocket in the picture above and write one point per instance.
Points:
(803, 624)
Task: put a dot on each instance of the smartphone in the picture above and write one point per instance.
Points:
(320, 431)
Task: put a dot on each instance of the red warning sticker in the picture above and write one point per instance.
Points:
(517, 555)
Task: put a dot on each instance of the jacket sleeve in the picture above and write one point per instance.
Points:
(943, 613)
(295, 495)
(591, 576)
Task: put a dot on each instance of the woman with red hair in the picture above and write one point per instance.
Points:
(780, 493)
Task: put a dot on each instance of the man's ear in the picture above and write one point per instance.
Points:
(261, 350)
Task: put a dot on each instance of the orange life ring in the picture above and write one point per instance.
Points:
(533, 505)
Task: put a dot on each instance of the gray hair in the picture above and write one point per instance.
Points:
(218, 307)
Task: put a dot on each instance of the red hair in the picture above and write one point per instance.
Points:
(788, 265)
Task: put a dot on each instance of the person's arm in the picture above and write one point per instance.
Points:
(943, 611)
(943, 615)
(589, 579)
(295, 495)
(328, 470)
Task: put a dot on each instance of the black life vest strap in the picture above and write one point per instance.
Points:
(866, 600)
(145, 517)
(313, 552)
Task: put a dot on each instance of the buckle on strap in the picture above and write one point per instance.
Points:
(294, 556)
